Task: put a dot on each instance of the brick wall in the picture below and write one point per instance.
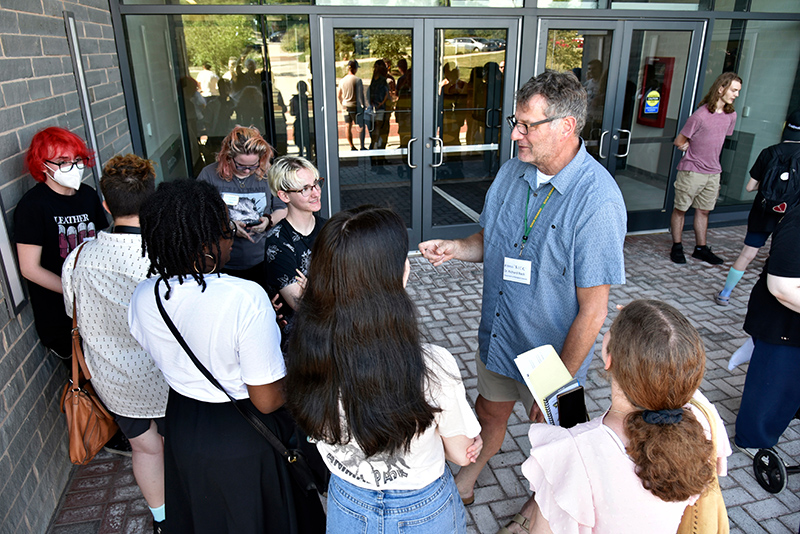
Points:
(38, 89)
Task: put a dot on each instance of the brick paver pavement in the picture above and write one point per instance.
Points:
(103, 497)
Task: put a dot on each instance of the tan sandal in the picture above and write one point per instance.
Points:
(519, 519)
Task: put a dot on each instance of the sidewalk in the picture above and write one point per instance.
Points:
(103, 498)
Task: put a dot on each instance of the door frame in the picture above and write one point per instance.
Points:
(645, 220)
(423, 123)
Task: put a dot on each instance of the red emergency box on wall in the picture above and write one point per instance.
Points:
(654, 98)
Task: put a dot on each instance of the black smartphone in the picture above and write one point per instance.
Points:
(572, 408)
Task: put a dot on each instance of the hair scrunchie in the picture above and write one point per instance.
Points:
(663, 417)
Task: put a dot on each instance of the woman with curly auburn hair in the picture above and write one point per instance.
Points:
(240, 176)
(637, 467)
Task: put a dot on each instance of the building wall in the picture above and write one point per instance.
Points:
(38, 89)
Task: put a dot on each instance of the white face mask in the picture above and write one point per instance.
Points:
(71, 178)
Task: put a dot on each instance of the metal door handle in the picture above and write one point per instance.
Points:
(627, 148)
(408, 153)
(600, 145)
(438, 141)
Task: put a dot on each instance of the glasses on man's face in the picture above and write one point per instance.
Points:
(524, 128)
(66, 166)
(232, 228)
(305, 191)
(240, 167)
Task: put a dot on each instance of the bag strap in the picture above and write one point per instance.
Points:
(711, 424)
(77, 350)
(249, 416)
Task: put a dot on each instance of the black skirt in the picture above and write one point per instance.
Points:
(222, 476)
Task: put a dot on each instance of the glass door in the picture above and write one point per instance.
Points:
(414, 115)
(640, 78)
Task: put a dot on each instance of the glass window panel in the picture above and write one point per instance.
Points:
(214, 2)
(572, 4)
(661, 5)
(422, 3)
(586, 53)
(223, 78)
(775, 6)
(374, 117)
(470, 68)
(766, 55)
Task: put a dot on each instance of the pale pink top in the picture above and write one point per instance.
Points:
(584, 481)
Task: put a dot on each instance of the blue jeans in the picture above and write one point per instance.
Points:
(434, 509)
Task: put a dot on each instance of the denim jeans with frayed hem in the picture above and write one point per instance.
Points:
(434, 509)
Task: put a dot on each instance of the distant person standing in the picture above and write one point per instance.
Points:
(351, 97)
(697, 182)
(208, 81)
(762, 221)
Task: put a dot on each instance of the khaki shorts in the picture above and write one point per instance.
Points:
(696, 190)
(499, 388)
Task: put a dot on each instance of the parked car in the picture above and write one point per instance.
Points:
(275, 37)
(499, 44)
(467, 44)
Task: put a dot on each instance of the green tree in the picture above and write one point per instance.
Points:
(215, 39)
(391, 44)
(564, 50)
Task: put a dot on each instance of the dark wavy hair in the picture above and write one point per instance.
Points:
(658, 360)
(182, 222)
(356, 339)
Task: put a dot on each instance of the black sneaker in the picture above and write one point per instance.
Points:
(704, 253)
(159, 527)
(676, 254)
(118, 444)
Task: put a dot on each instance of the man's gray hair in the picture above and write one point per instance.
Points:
(564, 94)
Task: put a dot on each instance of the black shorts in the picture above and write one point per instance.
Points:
(134, 427)
(350, 115)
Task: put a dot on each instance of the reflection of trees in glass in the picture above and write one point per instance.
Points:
(214, 38)
(391, 44)
(564, 50)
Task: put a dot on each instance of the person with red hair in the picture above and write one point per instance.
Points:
(51, 220)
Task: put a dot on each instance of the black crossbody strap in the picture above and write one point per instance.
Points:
(251, 418)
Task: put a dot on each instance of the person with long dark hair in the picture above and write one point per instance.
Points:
(635, 468)
(386, 409)
(221, 475)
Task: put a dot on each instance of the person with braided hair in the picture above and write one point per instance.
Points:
(637, 467)
(221, 475)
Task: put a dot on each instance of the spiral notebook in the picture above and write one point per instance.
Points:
(547, 378)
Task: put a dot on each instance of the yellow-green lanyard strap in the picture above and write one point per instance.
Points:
(525, 217)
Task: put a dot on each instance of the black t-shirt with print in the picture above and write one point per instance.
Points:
(57, 223)
(287, 250)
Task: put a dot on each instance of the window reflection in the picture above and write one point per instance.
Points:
(233, 69)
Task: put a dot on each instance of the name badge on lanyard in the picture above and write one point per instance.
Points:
(516, 270)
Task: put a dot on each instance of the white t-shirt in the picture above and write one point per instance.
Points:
(230, 327)
(123, 373)
(425, 461)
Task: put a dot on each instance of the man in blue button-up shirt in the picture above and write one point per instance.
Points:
(554, 225)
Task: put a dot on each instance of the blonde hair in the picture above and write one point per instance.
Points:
(283, 173)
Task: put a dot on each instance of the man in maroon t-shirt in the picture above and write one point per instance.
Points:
(697, 182)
